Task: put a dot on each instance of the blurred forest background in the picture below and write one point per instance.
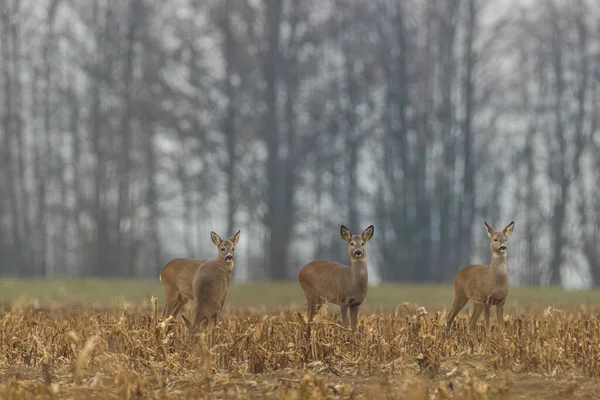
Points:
(131, 128)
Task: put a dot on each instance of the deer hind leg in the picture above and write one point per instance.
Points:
(171, 300)
(179, 304)
(458, 304)
(311, 304)
(319, 303)
(314, 304)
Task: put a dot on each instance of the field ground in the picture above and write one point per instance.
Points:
(387, 297)
(102, 339)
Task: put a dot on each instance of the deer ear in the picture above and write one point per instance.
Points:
(509, 229)
(345, 232)
(234, 239)
(368, 233)
(216, 239)
(490, 230)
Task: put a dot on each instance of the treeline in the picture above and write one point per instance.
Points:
(131, 128)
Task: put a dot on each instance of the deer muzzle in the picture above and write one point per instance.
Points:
(228, 257)
(358, 253)
(502, 248)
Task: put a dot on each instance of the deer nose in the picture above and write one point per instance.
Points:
(229, 257)
(358, 253)
(502, 247)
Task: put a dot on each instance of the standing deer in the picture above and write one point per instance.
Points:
(177, 276)
(345, 286)
(211, 283)
(486, 285)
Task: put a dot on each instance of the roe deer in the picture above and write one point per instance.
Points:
(177, 276)
(211, 283)
(345, 286)
(486, 285)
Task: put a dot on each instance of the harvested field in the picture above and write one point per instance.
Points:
(64, 351)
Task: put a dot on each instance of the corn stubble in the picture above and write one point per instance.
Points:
(94, 353)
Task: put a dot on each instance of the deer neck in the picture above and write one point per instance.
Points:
(229, 274)
(499, 266)
(359, 271)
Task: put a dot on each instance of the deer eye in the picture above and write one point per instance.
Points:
(232, 250)
(222, 248)
(351, 243)
(495, 239)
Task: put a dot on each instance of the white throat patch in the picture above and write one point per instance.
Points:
(502, 269)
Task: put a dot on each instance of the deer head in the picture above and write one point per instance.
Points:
(356, 243)
(498, 243)
(226, 252)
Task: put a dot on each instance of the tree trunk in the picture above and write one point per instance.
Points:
(8, 124)
(229, 120)
(124, 214)
(467, 207)
(276, 222)
(447, 259)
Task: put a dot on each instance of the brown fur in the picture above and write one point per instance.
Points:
(345, 286)
(211, 283)
(486, 285)
(210, 286)
(177, 276)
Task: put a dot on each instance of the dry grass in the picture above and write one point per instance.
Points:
(68, 352)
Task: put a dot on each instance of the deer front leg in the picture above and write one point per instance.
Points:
(353, 316)
(344, 312)
(500, 316)
(486, 314)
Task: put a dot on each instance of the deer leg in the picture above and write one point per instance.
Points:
(212, 325)
(500, 316)
(318, 304)
(179, 304)
(344, 312)
(477, 309)
(486, 309)
(457, 304)
(353, 316)
(312, 308)
(171, 299)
